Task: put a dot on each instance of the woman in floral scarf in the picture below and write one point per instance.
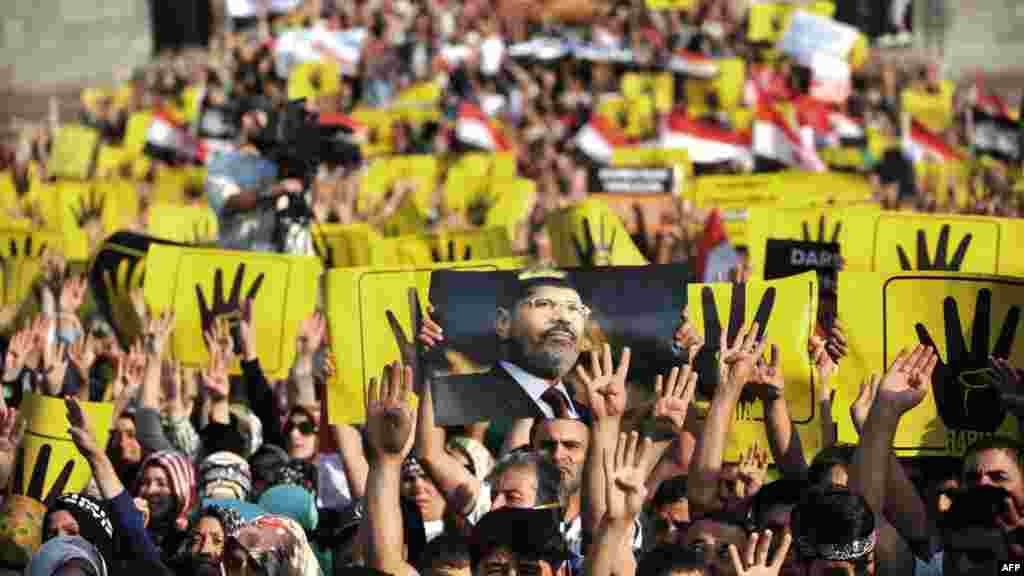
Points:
(274, 545)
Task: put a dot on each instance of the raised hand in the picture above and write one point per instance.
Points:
(215, 378)
(389, 418)
(72, 294)
(625, 475)
(18, 352)
(11, 431)
(904, 386)
(247, 332)
(925, 262)
(736, 362)
(312, 331)
(860, 407)
(687, 342)
(83, 355)
(605, 384)
(229, 305)
(80, 431)
(674, 395)
(769, 383)
(966, 394)
(407, 348)
(837, 344)
(755, 561)
(753, 468)
(596, 252)
(824, 365)
(55, 366)
(158, 331)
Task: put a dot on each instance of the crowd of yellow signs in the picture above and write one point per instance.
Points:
(366, 271)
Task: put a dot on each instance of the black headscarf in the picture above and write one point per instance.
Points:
(93, 518)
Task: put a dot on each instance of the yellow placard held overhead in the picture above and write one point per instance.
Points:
(934, 111)
(202, 284)
(313, 80)
(942, 242)
(512, 207)
(591, 234)
(21, 251)
(74, 152)
(966, 317)
(786, 309)
(344, 245)
(852, 227)
(135, 132)
(357, 302)
(189, 224)
(672, 5)
(50, 461)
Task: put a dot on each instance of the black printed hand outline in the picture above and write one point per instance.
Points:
(707, 359)
(230, 307)
(596, 253)
(15, 263)
(821, 232)
(467, 253)
(325, 253)
(964, 385)
(34, 489)
(90, 207)
(924, 262)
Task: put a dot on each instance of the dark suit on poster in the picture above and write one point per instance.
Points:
(469, 398)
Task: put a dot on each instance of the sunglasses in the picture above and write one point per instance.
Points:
(305, 427)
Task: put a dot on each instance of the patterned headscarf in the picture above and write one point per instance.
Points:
(93, 518)
(279, 546)
(182, 478)
(225, 468)
(59, 551)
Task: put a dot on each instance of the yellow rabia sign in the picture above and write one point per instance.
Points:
(202, 284)
(358, 300)
(591, 234)
(967, 318)
(787, 312)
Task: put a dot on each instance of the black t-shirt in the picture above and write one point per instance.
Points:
(896, 168)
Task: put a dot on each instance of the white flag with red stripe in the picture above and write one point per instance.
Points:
(706, 144)
(775, 139)
(599, 138)
(473, 128)
(169, 141)
(692, 64)
(924, 146)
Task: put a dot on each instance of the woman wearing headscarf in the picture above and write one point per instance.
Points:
(85, 516)
(202, 553)
(225, 475)
(273, 546)
(166, 484)
(67, 555)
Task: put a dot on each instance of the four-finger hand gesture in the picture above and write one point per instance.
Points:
(389, 418)
(215, 378)
(55, 366)
(158, 331)
(860, 407)
(736, 363)
(674, 395)
(905, 385)
(687, 341)
(72, 294)
(605, 384)
(836, 343)
(755, 561)
(83, 355)
(311, 334)
(753, 468)
(17, 353)
(625, 475)
(769, 382)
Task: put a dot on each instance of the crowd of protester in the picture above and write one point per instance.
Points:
(211, 473)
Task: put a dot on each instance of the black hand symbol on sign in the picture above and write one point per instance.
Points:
(325, 252)
(467, 253)
(231, 306)
(964, 385)
(924, 262)
(707, 359)
(10, 265)
(34, 489)
(90, 208)
(596, 253)
(821, 232)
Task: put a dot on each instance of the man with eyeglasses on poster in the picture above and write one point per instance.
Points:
(540, 323)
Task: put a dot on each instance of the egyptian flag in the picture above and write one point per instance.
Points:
(599, 137)
(473, 128)
(716, 256)
(987, 102)
(775, 139)
(706, 143)
(352, 128)
(171, 142)
(923, 145)
(693, 64)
